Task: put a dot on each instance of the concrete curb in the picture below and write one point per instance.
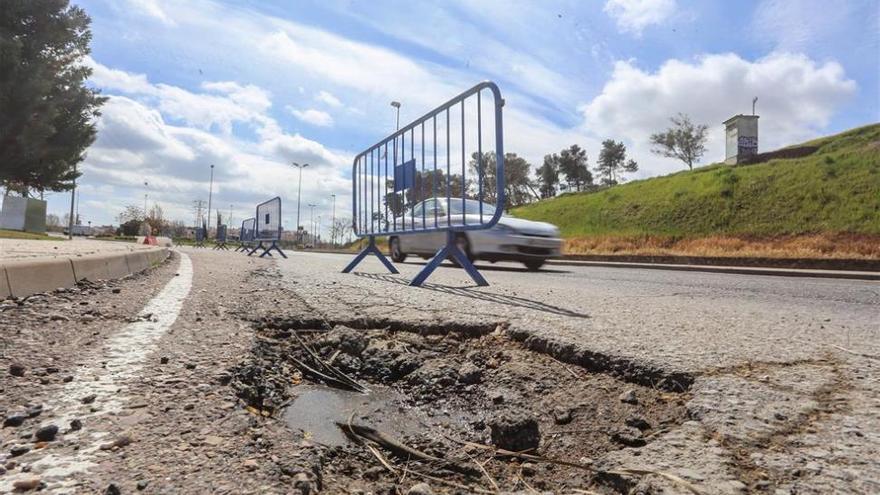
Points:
(738, 270)
(20, 278)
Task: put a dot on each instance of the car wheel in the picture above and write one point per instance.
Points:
(461, 240)
(396, 253)
(534, 265)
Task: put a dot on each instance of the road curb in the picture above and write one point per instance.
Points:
(20, 278)
(737, 270)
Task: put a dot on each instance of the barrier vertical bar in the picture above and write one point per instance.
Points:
(434, 175)
(463, 170)
(480, 153)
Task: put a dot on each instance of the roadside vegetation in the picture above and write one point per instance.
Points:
(823, 204)
(14, 234)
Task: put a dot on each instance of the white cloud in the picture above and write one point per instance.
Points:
(313, 117)
(797, 97)
(328, 99)
(151, 8)
(633, 16)
(169, 136)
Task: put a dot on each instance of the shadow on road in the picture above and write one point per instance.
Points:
(519, 302)
(494, 268)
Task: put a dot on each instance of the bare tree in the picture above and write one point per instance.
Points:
(685, 140)
(340, 228)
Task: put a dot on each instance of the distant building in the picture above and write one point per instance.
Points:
(742, 138)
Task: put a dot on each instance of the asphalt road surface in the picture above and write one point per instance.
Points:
(780, 373)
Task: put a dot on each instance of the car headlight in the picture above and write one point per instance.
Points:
(500, 227)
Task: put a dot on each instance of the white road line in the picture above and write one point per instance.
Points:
(123, 358)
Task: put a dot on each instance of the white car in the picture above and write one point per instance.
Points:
(511, 239)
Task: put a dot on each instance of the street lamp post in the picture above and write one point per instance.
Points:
(396, 104)
(299, 191)
(312, 221)
(72, 201)
(210, 193)
(333, 222)
(146, 184)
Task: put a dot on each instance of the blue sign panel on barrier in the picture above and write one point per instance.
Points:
(438, 174)
(405, 176)
(268, 229)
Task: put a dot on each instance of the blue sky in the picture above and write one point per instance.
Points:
(252, 85)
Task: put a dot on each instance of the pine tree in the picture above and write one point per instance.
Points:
(48, 112)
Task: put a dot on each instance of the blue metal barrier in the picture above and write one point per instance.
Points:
(432, 178)
(268, 228)
(246, 234)
(220, 238)
(201, 235)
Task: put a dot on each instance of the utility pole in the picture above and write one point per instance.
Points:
(319, 228)
(146, 184)
(198, 206)
(312, 221)
(72, 201)
(333, 222)
(229, 218)
(77, 209)
(210, 193)
(299, 191)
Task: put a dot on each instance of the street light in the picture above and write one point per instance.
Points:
(210, 193)
(396, 104)
(299, 192)
(146, 184)
(312, 220)
(333, 222)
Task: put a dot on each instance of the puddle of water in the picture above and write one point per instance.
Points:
(317, 408)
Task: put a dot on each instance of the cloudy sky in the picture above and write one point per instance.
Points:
(251, 85)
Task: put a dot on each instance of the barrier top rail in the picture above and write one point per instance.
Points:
(433, 174)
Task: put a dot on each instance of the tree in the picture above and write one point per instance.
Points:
(517, 184)
(48, 112)
(548, 176)
(53, 222)
(612, 162)
(684, 141)
(572, 163)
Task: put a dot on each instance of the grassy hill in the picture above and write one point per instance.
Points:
(833, 192)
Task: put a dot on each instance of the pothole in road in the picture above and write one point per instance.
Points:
(463, 411)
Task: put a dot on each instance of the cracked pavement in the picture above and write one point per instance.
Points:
(785, 390)
(780, 374)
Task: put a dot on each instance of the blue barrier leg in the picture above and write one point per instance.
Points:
(254, 250)
(370, 249)
(275, 246)
(450, 249)
(432, 265)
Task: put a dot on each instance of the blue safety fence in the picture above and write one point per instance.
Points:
(247, 234)
(441, 174)
(268, 228)
(220, 239)
(201, 234)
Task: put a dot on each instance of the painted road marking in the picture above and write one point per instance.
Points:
(123, 355)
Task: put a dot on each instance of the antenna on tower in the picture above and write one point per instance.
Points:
(754, 100)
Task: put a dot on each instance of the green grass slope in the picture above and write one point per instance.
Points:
(835, 189)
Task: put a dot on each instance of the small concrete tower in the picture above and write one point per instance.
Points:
(742, 138)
